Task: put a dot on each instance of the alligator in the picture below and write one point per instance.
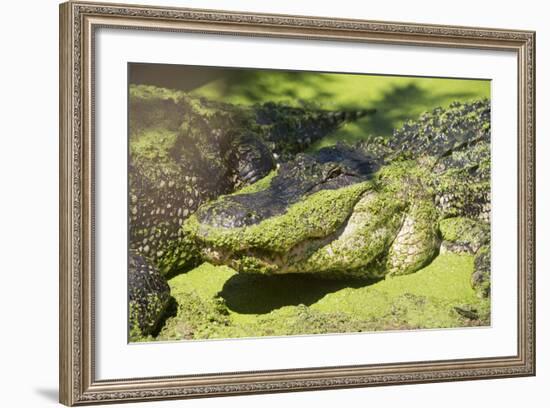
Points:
(230, 184)
(185, 151)
(381, 208)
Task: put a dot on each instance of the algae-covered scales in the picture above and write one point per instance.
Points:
(365, 211)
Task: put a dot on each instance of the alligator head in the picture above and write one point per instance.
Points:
(365, 211)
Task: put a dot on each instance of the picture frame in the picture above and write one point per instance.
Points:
(79, 25)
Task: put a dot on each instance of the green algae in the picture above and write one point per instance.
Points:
(260, 185)
(360, 230)
(216, 302)
(370, 230)
(463, 230)
(316, 216)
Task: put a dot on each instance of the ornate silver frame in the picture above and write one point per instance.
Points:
(78, 22)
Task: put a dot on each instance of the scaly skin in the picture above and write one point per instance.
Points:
(185, 151)
(366, 211)
(148, 297)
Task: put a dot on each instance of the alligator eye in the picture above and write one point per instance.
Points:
(334, 172)
(249, 215)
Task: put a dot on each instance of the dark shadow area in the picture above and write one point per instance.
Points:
(181, 77)
(171, 311)
(256, 294)
(50, 394)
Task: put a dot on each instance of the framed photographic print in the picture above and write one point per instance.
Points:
(263, 203)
